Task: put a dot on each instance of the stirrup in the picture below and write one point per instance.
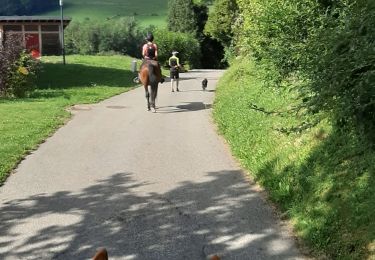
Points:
(136, 80)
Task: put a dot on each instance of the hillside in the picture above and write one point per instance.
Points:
(145, 11)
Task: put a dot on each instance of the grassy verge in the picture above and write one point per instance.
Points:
(24, 123)
(324, 179)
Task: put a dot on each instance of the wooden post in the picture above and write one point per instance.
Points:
(23, 35)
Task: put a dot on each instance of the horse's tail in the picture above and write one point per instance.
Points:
(153, 79)
(152, 74)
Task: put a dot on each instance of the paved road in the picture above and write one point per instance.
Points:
(143, 185)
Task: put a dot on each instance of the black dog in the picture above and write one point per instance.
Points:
(204, 84)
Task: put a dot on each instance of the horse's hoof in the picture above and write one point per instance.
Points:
(153, 110)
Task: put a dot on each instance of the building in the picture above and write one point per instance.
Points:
(41, 34)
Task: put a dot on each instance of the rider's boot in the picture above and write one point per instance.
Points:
(136, 79)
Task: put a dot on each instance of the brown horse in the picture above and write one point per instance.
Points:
(150, 75)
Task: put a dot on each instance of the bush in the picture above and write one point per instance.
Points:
(277, 31)
(328, 45)
(342, 67)
(91, 37)
(187, 46)
(17, 68)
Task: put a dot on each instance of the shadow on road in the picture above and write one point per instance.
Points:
(220, 216)
(185, 107)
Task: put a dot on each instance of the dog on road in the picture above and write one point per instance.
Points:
(204, 84)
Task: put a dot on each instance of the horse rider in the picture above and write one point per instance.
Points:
(150, 52)
(150, 49)
(174, 64)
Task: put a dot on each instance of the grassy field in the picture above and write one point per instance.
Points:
(145, 11)
(24, 123)
(322, 179)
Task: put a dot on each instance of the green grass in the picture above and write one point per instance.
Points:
(145, 11)
(323, 179)
(24, 123)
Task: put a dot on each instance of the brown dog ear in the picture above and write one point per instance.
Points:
(101, 254)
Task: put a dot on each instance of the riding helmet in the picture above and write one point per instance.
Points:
(150, 37)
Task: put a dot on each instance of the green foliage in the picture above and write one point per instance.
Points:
(22, 76)
(181, 16)
(191, 17)
(90, 37)
(301, 117)
(323, 179)
(342, 67)
(203, 2)
(84, 79)
(201, 14)
(212, 54)
(327, 44)
(221, 20)
(17, 68)
(187, 46)
(277, 30)
(124, 36)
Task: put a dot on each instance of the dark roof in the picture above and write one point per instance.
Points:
(33, 19)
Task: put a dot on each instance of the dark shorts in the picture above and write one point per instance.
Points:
(175, 74)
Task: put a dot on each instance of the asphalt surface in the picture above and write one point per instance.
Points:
(144, 185)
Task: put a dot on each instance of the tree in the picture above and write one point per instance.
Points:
(212, 50)
(221, 20)
(201, 14)
(181, 16)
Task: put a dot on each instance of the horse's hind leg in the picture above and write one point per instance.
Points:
(154, 93)
(147, 98)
